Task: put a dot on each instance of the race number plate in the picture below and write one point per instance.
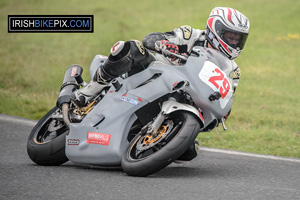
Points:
(216, 79)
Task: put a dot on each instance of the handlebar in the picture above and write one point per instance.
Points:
(160, 47)
(174, 54)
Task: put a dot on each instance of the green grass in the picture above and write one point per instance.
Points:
(265, 117)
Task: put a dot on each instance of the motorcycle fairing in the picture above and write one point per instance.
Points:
(114, 114)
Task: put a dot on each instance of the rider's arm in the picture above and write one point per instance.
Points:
(150, 39)
(185, 37)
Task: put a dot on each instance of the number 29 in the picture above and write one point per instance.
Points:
(220, 82)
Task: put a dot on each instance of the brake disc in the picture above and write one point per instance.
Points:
(151, 139)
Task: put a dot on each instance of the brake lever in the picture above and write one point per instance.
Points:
(163, 50)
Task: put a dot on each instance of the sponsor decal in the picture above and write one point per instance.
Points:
(73, 141)
(187, 32)
(129, 100)
(98, 138)
(140, 46)
(235, 74)
(50, 23)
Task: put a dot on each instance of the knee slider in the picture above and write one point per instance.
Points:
(118, 62)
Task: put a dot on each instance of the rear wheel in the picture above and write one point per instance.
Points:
(46, 142)
(147, 154)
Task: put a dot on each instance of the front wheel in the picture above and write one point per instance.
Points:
(46, 142)
(147, 154)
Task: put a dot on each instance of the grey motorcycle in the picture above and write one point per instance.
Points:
(143, 122)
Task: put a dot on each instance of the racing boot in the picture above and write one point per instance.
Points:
(112, 68)
(94, 87)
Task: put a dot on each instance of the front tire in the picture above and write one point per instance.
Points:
(46, 142)
(140, 160)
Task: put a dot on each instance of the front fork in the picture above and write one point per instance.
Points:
(171, 106)
(153, 127)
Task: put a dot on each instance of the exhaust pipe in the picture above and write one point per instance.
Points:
(69, 85)
(65, 113)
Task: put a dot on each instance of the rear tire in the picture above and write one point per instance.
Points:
(46, 142)
(143, 163)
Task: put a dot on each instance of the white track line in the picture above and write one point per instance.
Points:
(231, 152)
(17, 120)
(32, 123)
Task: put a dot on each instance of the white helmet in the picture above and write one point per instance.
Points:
(227, 30)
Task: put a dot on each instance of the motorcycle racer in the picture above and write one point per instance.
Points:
(226, 31)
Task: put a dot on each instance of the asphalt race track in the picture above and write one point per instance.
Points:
(214, 174)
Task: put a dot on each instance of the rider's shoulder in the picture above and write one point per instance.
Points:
(188, 28)
(187, 32)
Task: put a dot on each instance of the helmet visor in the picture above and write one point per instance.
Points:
(232, 38)
(235, 40)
